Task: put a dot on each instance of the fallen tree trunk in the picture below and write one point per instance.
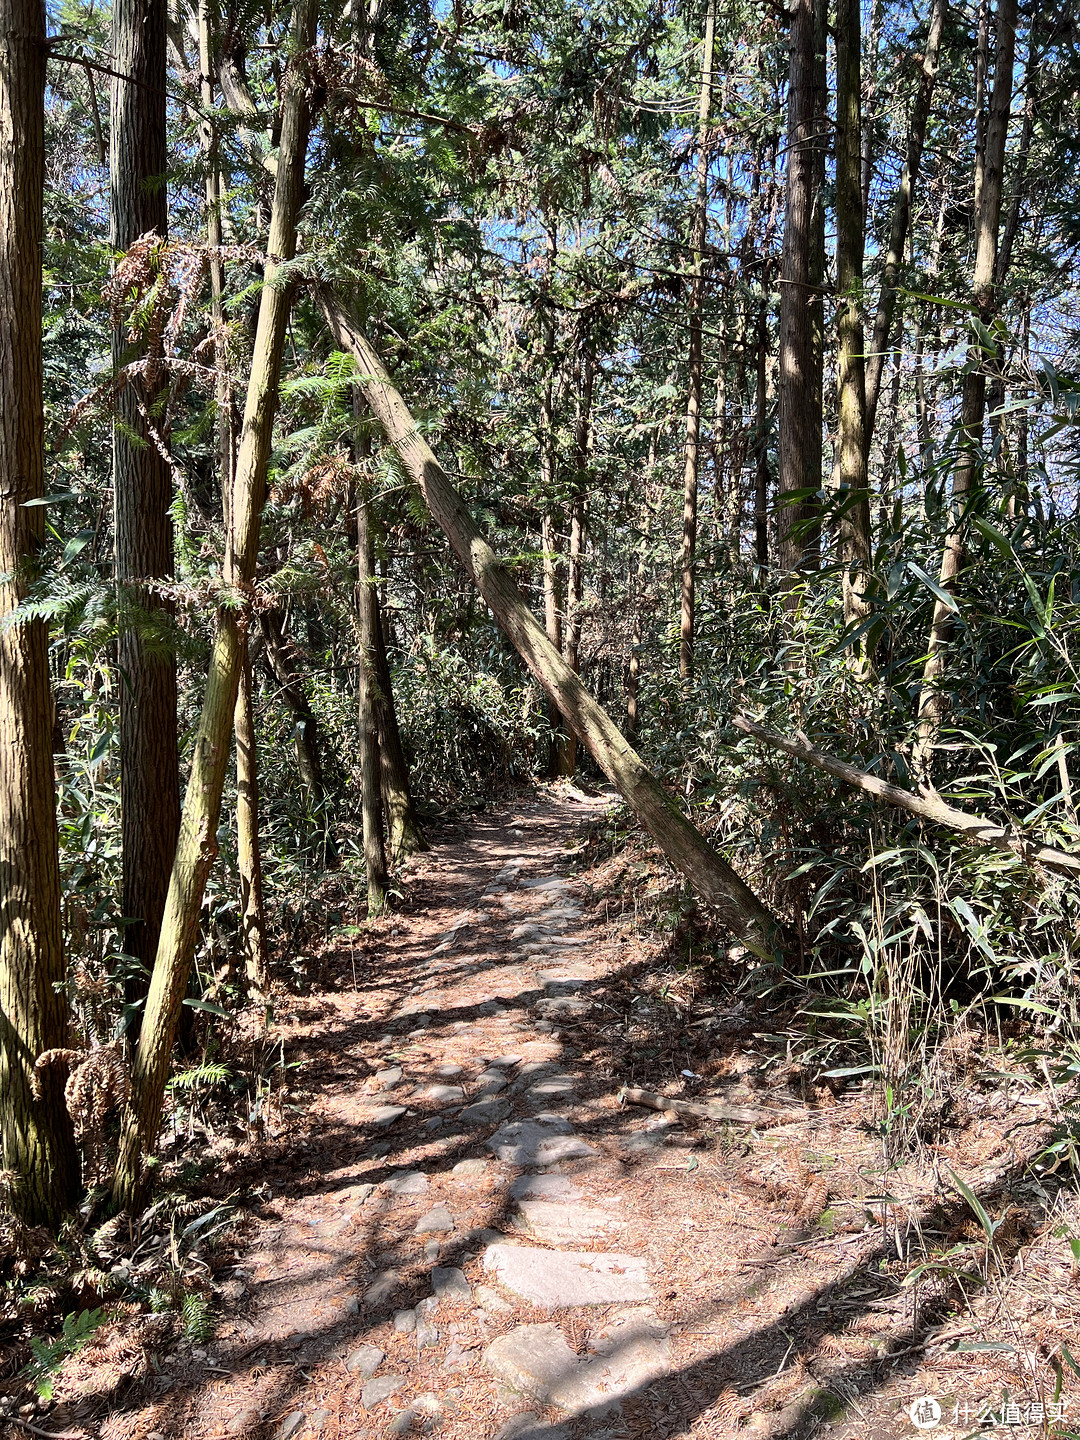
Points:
(926, 807)
(711, 877)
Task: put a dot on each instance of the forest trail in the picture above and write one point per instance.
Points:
(467, 1235)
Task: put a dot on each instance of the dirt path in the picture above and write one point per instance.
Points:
(472, 1238)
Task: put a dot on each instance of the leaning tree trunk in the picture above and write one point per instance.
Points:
(798, 382)
(712, 878)
(988, 190)
(37, 1140)
(692, 450)
(854, 494)
(197, 846)
(142, 491)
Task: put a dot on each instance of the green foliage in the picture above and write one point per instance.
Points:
(49, 1355)
(198, 1318)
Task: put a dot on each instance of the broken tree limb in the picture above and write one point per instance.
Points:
(712, 878)
(926, 807)
(710, 1110)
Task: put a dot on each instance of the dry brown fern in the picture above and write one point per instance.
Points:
(98, 1083)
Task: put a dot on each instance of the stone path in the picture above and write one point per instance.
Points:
(406, 1268)
(517, 1103)
(465, 1234)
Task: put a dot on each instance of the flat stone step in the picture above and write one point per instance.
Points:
(553, 1278)
(557, 1223)
(536, 1362)
(544, 1187)
(542, 1141)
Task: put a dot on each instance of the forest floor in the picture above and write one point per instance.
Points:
(461, 1231)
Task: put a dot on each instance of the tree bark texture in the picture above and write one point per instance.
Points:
(988, 192)
(291, 690)
(712, 878)
(197, 846)
(248, 845)
(405, 835)
(37, 1141)
(692, 449)
(248, 851)
(142, 491)
(854, 494)
(367, 688)
(799, 381)
(639, 582)
(552, 616)
(761, 446)
(208, 141)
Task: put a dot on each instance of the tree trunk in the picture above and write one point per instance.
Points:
(688, 554)
(248, 853)
(761, 445)
(988, 189)
(996, 393)
(713, 879)
(799, 380)
(901, 217)
(638, 583)
(142, 492)
(552, 617)
(548, 536)
(855, 535)
(209, 145)
(291, 689)
(575, 579)
(404, 832)
(366, 691)
(197, 847)
(38, 1143)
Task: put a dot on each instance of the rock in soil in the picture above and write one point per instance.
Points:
(407, 1182)
(544, 1187)
(543, 1140)
(531, 1360)
(558, 1224)
(529, 1426)
(437, 1221)
(449, 1283)
(552, 1278)
(380, 1389)
(365, 1361)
